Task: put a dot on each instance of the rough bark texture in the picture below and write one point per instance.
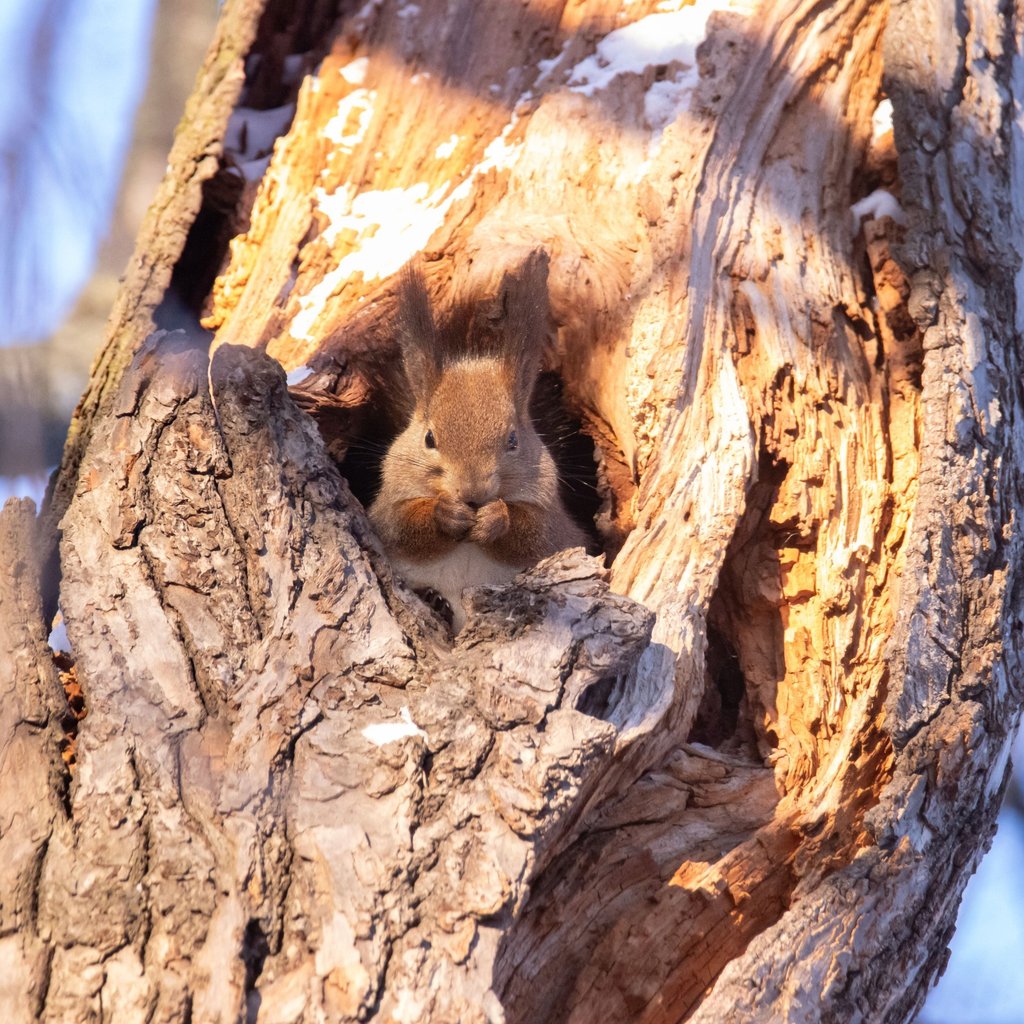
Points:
(33, 811)
(741, 775)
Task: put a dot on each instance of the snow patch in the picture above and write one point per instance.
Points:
(499, 154)
(357, 104)
(880, 203)
(446, 149)
(666, 100)
(390, 732)
(363, 15)
(355, 72)
(381, 217)
(881, 120)
(545, 67)
(390, 226)
(668, 37)
(253, 170)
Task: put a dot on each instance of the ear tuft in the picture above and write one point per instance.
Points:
(524, 296)
(416, 331)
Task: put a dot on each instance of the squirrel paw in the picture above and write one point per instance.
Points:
(454, 518)
(492, 523)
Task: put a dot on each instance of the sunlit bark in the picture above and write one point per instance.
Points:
(743, 774)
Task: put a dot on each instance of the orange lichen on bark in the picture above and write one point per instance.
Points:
(76, 709)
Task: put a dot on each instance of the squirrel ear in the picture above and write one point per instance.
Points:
(416, 331)
(524, 295)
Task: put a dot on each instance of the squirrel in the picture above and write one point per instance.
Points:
(469, 492)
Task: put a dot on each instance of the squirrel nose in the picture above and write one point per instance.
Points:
(477, 497)
(478, 490)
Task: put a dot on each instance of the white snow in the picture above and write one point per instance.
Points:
(298, 375)
(668, 37)
(379, 218)
(363, 15)
(390, 732)
(357, 104)
(446, 149)
(355, 72)
(880, 203)
(881, 120)
(251, 135)
(667, 99)
(253, 170)
(390, 226)
(545, 67)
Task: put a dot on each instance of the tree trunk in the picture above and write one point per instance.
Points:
(743, 773)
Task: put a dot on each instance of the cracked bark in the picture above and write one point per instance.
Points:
(742, 774)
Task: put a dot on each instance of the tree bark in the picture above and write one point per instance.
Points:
(741, 774)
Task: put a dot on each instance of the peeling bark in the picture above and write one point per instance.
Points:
(744, 772)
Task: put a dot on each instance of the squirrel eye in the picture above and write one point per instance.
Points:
(513, 441)
(429, 440)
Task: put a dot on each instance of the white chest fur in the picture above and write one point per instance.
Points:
(466, 565)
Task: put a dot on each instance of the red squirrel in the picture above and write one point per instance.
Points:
(469, 491)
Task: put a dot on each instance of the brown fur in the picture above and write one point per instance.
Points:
(417, 529)
(471, 377)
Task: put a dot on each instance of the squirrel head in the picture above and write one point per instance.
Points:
(471, 377)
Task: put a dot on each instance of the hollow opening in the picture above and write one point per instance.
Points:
(718, 722)
(359, 438)
(745, 656)
(255, 950)
(290, 41)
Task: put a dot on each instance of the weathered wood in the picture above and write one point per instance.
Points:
(32, 811)
(275, 745)
(191, 164)
(747, 776)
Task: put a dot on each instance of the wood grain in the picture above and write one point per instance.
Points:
(744, 773)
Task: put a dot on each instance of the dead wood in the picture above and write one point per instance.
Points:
(742, 774)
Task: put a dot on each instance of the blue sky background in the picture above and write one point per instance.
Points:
(71, 75)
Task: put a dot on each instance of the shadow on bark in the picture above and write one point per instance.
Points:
(286, 759)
